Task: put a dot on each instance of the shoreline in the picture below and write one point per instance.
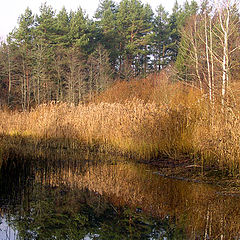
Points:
(183, 169)
(186, 170)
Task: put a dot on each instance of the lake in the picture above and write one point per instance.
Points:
(104, 197)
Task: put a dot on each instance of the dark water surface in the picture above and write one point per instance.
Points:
(90, 198)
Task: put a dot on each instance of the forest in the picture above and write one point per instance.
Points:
(66, 56)
(129, 79)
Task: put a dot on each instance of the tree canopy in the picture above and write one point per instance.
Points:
(54, 55)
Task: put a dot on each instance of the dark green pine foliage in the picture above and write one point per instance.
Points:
(143, 64)
(106, 24)
(45, 44)
(80, 33)
(188, 10)
(161, 39)
(175, 36)
(134, 25)
(63, 28)
(46, 28)
(55, 56)
(178, 18)
(23, 34)
(4, 77)
(21, 40)
(183, 58)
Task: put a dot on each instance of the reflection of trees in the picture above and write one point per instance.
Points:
(63, 213)
(71, 199)
(54, 209)
(198, 208)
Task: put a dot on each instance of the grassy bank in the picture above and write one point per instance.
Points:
(147, 119)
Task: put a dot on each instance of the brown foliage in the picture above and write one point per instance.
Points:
(147, 118)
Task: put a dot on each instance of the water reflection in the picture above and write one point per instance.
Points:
(89, 198)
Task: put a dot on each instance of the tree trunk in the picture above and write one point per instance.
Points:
(212, 62)
(224, 23)
(207, 58)
(196, 56)
(9, 76)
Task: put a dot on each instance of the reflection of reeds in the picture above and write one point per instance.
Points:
(147, 118)
(197, 207)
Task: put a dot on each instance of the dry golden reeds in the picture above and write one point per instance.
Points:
(169, 119)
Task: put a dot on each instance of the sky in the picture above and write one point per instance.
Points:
(12, 9)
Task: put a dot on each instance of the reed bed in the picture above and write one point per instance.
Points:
(165, 119)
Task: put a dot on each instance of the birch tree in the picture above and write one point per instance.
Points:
(210, 42)
(225, 30)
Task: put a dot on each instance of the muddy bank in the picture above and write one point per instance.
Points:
(186, 169)
(183, 168)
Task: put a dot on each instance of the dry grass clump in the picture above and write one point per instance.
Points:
(146, 118)
(136, 127)
(217, 138)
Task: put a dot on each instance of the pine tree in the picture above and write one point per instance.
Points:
(106, 15)
(161, 39)
(175, 36)
(79, 30)
(135, 25)
(45, 43)
(5, 80)
(22, 37)
(63, 28)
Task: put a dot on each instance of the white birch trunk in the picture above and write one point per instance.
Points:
(196, 57)
(212, 62)
(207, 58)
(224, 23)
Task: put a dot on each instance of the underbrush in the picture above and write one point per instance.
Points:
(165, 119)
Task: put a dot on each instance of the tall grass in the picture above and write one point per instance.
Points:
(146, 118)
